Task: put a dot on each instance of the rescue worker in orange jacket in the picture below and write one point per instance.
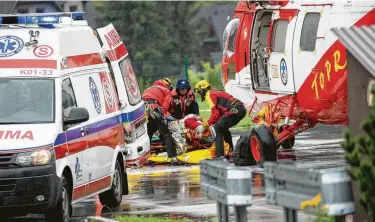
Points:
(183, 100)
(226, 111)
(157, 98)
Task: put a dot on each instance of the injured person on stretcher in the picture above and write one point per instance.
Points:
(188, 134)
(192, 142)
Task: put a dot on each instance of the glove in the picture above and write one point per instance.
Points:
(205, 124)
(170, 118)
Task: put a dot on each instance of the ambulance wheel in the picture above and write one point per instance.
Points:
(263, 145)
(288, 143)
(113, 197)
(62, 211)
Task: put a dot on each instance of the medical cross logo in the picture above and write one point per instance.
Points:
(95, 95)
(10, 45)
(283, 72)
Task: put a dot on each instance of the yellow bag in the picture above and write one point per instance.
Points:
(194, 157)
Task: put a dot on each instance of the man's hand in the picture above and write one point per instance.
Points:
(205, 124)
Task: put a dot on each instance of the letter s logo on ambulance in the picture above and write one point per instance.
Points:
(10, 45)
(43, 51)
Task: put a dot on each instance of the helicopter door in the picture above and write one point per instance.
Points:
(280, 45)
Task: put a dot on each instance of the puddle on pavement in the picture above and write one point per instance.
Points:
(178, 187)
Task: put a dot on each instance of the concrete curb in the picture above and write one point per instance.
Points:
(101, 219)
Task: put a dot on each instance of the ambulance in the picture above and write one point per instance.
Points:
(71, 113)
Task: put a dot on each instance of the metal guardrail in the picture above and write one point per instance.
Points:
(296, 189)
(285, 185)
(228, 185)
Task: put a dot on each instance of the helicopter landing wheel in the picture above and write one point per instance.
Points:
(262, 144)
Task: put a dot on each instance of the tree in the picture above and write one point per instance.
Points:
(360, 154)
(157, 34)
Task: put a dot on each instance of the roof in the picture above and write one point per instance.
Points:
(360, 41)
(218, 14)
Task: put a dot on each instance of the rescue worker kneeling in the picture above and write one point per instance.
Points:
(183, 100)
(157, 98)
(226, 111)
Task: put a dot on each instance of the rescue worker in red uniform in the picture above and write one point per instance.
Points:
(157, 98)
(183, 100)
(226, 111)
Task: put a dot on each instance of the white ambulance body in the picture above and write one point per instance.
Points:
(61, 118)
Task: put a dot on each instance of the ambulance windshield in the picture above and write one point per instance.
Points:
(26, 101)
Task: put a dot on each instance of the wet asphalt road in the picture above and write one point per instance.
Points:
(169, 193)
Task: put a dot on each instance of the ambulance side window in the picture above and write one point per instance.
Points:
(279, 30)
(309, 31)
(68, 98)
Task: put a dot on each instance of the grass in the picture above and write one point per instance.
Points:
(142, 218)
(205, 113)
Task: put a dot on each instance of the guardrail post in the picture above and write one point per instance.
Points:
(228, 185)
(307, 189)
(290, 215)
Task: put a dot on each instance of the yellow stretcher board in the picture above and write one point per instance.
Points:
(192, 157)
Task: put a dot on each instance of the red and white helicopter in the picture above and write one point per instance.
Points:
(281, 58)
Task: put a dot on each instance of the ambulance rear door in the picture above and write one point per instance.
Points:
(130, 97)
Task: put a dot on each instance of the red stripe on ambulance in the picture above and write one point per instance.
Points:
(109, 137)
(28, 63)
(117, 53)
(83, 60)
(91, 188)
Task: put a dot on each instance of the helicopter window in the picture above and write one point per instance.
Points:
(309, 31)
(230, 34)
(279, 35)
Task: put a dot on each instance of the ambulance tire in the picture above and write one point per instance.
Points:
(288, 143)
(263, 145)
(113, 197)
(62, 211)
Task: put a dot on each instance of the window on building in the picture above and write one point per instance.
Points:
(23, 10)
(279, 30)
(72, 8)
(39, 10)
(309, 31)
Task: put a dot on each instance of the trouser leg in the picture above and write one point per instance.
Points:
(152, 126)
(167, 137)
(222, 130)
(228, 139)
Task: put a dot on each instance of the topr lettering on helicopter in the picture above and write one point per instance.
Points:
(320, 83)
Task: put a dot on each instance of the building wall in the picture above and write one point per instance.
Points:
(69, 5)
(358, 108)
(33, 7)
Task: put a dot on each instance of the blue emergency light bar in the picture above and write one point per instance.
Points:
(40, 19)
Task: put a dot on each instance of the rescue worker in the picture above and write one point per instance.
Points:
(157, 98)
(183, 100)
(226, 111)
